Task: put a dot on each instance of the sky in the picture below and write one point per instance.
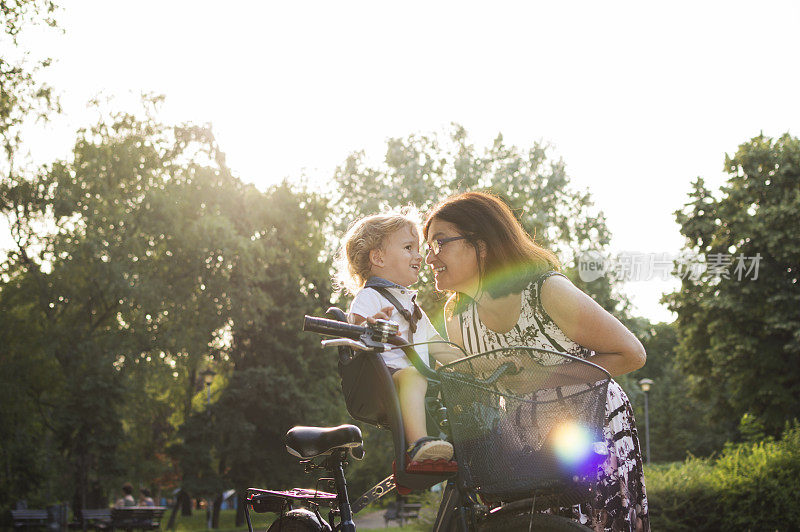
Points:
(638, 98)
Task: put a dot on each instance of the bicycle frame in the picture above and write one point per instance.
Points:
(460, 508)
(280, 502)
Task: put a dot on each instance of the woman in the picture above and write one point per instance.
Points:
(507, 291)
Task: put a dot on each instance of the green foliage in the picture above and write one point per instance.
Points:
(681, 496)
(198, 521)
(137, 264)
(26, 380)
(751, 486)
(278, 374)
(752, 430)
(377, 463)
(740, 338)
(423, 169)
(22, 94)
(15, 15)
(678, 422)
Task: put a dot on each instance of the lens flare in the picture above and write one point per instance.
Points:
(572, 444)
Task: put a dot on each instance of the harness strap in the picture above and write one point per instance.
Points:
(411, 318)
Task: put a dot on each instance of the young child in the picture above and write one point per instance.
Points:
(380, 254)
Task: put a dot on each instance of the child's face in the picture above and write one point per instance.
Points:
(399, 259)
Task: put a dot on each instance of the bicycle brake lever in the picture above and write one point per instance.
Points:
(354, 344)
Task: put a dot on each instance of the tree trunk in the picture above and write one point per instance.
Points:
(185, 502)
(81, 476)
(216, 510)
(240, 521)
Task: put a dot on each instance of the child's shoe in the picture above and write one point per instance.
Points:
(429, 448)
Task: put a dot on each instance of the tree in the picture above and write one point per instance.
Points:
(275, 373)
(739, 332)
(120, 274)
(678, 422)
(138, 263)
(22, 95)
(422, 169)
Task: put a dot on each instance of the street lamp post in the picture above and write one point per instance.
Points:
(208, 378)
(645, 384)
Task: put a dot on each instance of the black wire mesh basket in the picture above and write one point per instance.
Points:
(526, 420)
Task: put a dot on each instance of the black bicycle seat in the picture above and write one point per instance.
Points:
(308, 442)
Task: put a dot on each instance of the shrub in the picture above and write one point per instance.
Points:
(750, 486)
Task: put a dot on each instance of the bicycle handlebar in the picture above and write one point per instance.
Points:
(333, 327)
(356, 332)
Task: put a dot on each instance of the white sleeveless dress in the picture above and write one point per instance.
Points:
(620, 501)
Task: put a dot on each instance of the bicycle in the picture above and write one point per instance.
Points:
(526, 425)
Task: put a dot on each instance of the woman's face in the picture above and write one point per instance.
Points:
(456, 266)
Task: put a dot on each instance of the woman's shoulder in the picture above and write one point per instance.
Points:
(561, 301)
(542, 287)
(541, 276)
(554, 286)
(539, 279)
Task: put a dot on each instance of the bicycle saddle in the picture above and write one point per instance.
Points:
(309, 442)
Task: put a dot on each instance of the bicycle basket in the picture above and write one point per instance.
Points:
(525, 419)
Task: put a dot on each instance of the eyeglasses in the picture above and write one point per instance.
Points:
(435, 247)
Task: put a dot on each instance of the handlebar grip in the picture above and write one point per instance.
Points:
(332, 327)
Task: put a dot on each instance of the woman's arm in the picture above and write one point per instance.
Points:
(444, 353)
(441, 352)
(590, 325)
(451, 322)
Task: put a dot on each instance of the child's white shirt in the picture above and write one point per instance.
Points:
(368, 302)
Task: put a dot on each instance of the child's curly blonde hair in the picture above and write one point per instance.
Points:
(352, 260)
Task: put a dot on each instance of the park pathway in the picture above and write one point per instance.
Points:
(372, 520)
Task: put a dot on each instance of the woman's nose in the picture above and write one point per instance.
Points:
(429, 256)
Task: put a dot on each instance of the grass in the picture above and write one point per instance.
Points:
(227, 519)
(407, 528)
(261, 522)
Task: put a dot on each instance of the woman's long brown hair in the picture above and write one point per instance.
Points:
(512, 257)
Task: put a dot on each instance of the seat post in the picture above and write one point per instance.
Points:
(337, 468)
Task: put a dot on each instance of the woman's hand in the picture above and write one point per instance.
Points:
(590, 325)
(443, 353)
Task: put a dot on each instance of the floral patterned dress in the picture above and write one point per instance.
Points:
(620, 501)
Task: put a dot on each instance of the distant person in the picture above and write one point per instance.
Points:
(144, 498)
(127, 497)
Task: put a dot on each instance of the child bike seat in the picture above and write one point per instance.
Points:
(310, 442)
(370, 397)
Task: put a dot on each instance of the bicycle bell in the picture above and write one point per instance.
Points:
(382, 329)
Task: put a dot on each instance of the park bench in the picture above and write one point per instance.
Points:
(29, 518)
(401, 511)
(137, 518)
(99, 519)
